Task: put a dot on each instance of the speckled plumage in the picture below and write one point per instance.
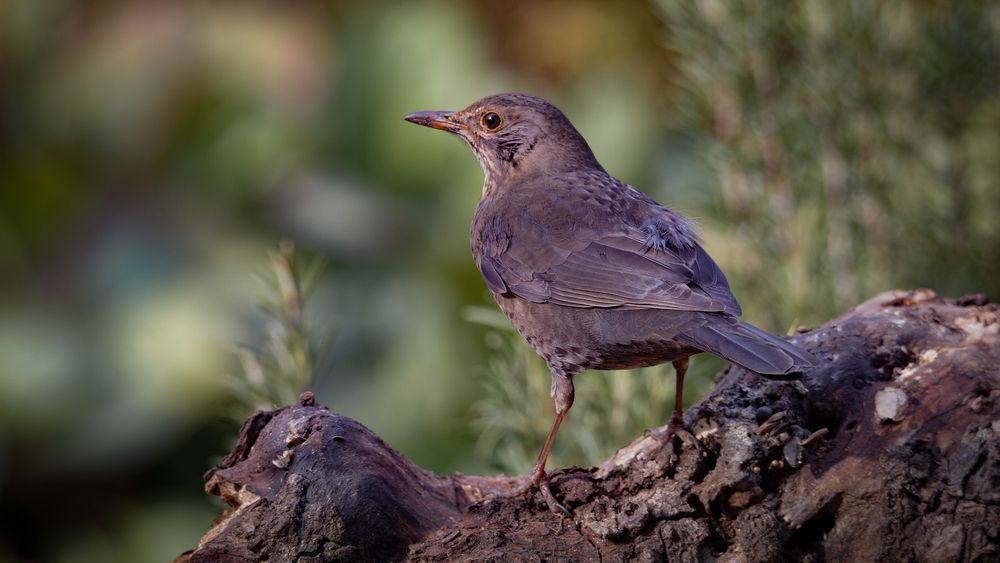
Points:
(592, 272)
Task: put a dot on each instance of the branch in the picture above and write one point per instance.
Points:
(888, 450)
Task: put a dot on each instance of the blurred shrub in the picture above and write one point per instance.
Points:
(277, 371)
(855, 145)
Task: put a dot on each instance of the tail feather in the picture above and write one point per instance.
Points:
(746, 345)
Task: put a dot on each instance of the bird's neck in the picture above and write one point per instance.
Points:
(532, 171)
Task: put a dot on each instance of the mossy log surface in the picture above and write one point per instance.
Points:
(888, 451)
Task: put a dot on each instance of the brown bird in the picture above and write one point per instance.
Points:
(592, 272)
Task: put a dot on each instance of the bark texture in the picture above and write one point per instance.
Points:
(888, 451)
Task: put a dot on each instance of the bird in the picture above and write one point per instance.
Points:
(591, 272)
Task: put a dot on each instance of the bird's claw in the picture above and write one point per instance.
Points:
(673, 430)
(554, 505)
(540, 480)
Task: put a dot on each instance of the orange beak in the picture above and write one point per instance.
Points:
(435, 120)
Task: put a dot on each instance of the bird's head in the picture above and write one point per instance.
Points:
(514, 134)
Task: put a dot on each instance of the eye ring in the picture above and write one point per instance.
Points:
(491, 121)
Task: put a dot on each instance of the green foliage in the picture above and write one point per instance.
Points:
(283, 366)
(855, 145)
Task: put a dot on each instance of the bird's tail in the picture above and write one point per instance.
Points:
(744, 344)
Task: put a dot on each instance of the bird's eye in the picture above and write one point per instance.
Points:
(492, 121)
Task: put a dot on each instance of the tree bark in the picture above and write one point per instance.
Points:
(887, 451)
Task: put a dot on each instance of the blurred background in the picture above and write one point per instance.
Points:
(153, 154)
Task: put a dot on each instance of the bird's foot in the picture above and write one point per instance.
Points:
(540, 480)
(554, 505)
(675, 429)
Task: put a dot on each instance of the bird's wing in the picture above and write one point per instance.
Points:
(583, 268)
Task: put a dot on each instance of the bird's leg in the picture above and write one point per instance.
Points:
(680, 368)
(562, 393)
(676, 425)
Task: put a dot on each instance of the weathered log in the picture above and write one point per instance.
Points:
(888, 451)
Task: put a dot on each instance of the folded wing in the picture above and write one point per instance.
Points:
(583, 268)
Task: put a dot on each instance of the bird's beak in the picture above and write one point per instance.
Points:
(435, 120)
